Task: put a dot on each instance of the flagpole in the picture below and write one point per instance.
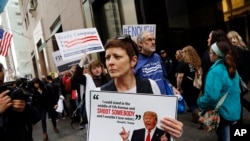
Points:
(13, 63)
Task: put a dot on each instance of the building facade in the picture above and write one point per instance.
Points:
(42, 19)
(178, 22)
(18, 55)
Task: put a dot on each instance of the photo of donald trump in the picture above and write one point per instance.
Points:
(149, 133)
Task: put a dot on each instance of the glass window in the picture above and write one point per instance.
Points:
(107, 18)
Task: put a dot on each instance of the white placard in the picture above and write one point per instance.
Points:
(74, 43)
(63, 65)
(110, 111)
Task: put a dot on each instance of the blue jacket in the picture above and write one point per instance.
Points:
(218, 83)
(151, 67)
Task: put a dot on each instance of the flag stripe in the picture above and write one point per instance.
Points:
(4, 42)
(79, 42)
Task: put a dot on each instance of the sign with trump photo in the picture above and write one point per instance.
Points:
(124, 116)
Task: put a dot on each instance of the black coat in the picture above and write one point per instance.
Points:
(17, 126)
(242, 63)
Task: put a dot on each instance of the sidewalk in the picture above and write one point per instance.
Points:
(66, 133)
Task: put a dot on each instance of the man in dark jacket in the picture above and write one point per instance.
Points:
(16, 115)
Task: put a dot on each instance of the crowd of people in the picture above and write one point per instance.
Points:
(128, 65)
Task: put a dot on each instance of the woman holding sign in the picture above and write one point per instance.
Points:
(121, 57)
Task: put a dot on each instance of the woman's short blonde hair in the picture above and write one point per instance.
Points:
(236, 35)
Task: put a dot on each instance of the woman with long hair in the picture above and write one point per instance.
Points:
(222, 78)
(214, 36)
(242, 64)
(46, 104)
(185, 77)
(178, 55)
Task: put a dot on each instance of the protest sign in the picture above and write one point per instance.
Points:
(74, 43)
(135, 30)
(63, 65)
(110, 112)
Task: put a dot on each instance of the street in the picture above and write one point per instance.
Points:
(66, 133)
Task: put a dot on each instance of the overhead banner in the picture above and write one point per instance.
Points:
(125, 112)
(73, 44)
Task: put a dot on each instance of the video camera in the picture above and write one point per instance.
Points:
(21, 91)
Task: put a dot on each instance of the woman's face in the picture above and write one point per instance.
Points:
(178, 55)
(36, 85)
(234, 41)
(184, 53)
(213, 57)
(96, 70)
(209, 39)
(118, 62)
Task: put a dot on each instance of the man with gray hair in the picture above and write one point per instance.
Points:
(149, 63)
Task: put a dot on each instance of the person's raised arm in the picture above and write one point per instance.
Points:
(83, 59)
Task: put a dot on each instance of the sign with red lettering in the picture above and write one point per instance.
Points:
(115, 116)
(72, 44)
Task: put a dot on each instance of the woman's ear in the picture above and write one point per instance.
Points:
(133, 61)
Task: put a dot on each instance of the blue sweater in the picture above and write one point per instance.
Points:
(217, 84)
(151, 67)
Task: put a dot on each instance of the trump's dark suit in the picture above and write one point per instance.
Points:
(139, 135)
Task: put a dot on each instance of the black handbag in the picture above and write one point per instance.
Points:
(243, 87)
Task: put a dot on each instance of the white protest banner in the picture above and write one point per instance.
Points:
(111, 112)
(134, 30)
(74, 43)
(63, 65)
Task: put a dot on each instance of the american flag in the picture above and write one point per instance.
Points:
(5, 38)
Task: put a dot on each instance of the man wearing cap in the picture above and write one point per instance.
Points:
(168, 62)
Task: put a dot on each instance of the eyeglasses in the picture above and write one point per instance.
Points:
(126, 37)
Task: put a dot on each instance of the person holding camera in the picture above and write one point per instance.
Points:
(15, 114)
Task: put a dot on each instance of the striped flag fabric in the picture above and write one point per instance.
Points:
(74, 42)
(5, 38)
